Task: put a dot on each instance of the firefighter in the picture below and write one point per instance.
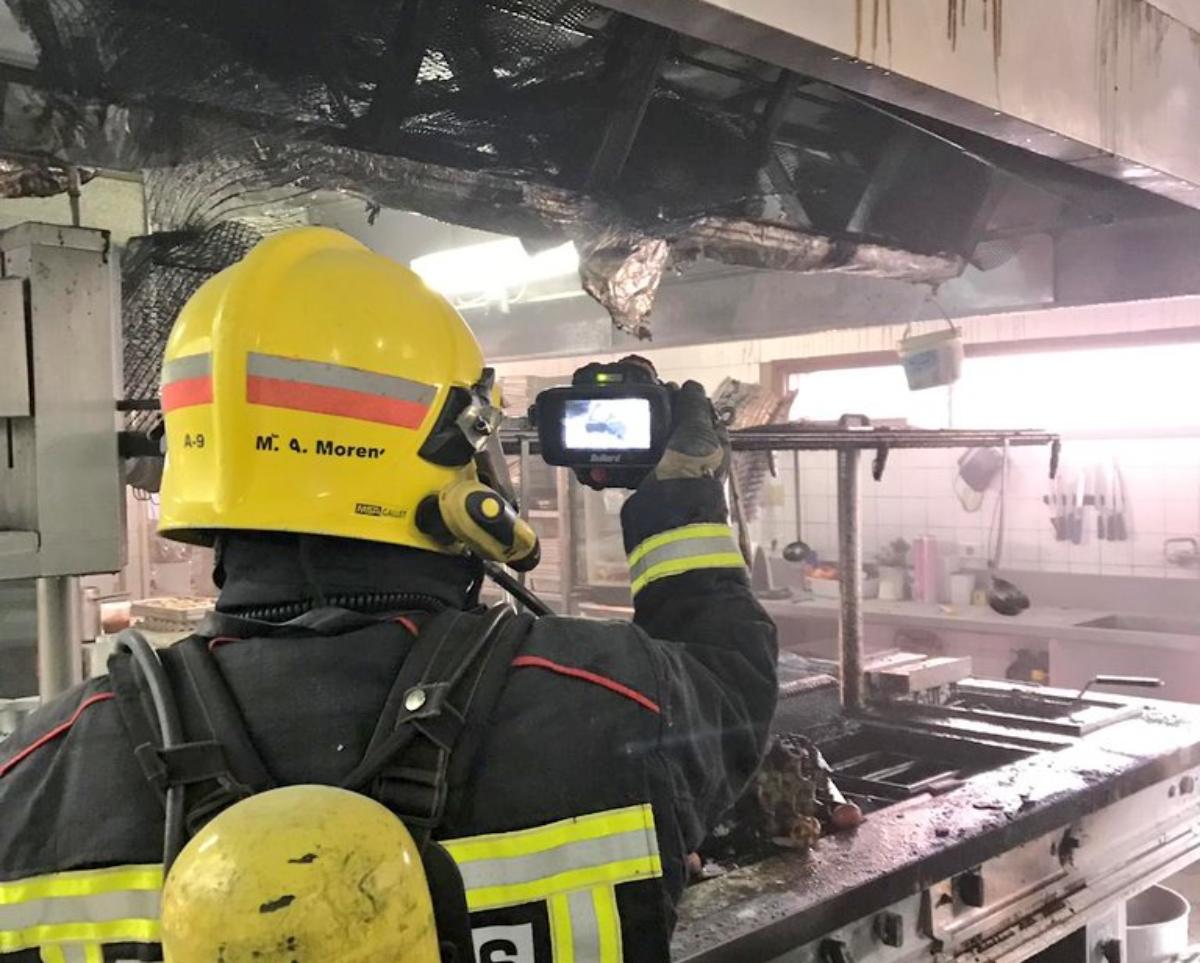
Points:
(320, 402)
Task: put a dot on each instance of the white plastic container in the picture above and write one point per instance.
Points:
(12, 711)
(892, 580)
(824, 588)
(931, 360)
(962, 588)
(1156, 925)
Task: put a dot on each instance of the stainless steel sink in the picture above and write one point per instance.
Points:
(1144, 623)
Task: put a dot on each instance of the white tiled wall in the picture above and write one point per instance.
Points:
(916, 497)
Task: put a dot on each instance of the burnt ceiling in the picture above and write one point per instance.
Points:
(547, 119)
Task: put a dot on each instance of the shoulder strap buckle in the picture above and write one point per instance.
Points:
(425, 700)
(408, 758)
(183, 765)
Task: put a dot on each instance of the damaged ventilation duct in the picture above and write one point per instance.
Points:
(551, 120)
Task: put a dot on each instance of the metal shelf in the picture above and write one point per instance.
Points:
(849, 437)
(854, 432)
(800, 437)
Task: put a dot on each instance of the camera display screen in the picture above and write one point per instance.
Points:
(606, 424)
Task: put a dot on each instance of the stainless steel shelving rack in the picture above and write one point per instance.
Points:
(849, 438)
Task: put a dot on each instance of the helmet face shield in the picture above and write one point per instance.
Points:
(465, 424)
(478, 426)
(480, 421)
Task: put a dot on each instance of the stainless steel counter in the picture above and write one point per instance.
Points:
(1039, 622)
(995, 870)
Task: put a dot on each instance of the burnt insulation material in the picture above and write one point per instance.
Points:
(24, 177)
(158, 274)
(545, 119)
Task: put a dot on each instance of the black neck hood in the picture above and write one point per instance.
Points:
(261, 570)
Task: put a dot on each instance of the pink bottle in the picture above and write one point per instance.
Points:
(926, 570)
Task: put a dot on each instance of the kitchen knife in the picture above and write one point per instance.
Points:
(1118, 531)
(1055, 503)
(1077, 508)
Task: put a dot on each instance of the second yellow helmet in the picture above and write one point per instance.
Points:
(304, 874)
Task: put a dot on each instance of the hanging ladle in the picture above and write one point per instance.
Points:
(798, 551)
(1002, 595)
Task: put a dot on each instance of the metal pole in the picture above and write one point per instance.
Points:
(796, 495)
(523, 494)
(58, 641)
(523, 468)
(73, 189)
(850, 625)
(566, 542)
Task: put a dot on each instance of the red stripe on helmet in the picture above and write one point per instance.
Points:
(187, 392)
(323, 400)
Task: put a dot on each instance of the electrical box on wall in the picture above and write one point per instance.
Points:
(61, 491)
(14, 350)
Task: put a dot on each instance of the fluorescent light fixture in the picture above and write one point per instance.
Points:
(493, 271)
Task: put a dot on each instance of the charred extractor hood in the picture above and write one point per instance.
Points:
(1108, 86)
(649, 144)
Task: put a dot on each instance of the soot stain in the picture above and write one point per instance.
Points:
(277, 904)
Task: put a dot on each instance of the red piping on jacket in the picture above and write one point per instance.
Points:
(61, 729)
(408, 624)
(537, 662)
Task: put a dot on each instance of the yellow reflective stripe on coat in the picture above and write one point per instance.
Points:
(686, 549)
(72, 953)
(525, 842)
(573, 866)
(66, 913)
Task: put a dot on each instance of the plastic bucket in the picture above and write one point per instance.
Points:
(931, 360)
(1156, 925)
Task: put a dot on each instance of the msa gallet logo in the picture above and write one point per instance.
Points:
(379, 511)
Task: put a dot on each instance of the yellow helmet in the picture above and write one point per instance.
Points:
(300, 875)
(318, 387)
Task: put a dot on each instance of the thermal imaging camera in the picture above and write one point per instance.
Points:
(610, 424)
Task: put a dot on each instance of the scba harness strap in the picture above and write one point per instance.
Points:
(424, 740)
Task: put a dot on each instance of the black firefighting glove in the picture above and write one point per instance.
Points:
(699, 444)
(688, 484)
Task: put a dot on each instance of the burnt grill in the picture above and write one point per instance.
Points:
(878, 765)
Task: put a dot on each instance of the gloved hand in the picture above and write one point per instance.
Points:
(699, 444)
(678, 520)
